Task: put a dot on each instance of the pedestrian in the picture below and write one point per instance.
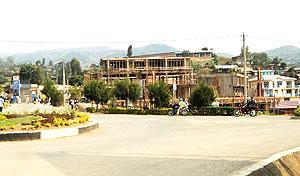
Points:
(1, 103)
(71, 103)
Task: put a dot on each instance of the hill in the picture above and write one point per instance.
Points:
(87, 55)
(289, 54)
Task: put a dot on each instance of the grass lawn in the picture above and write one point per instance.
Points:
(16, 121)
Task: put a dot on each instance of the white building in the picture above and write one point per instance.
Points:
(278, 86)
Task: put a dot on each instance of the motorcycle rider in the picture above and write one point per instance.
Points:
(250, 104)
(181, 105)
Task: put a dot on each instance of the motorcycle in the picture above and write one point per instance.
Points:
(244, 110)
(175, 107)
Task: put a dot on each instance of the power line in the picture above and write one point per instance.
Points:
(116, 42)
(274, 40)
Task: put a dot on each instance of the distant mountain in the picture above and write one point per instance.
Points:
(289, 54)
(87, 55)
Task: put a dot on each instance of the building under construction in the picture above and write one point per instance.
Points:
(174, 70)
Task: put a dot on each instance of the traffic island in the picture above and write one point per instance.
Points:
(32, 126)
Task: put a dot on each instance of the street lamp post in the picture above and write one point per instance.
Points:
(64, 81)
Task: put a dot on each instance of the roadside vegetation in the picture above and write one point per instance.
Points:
(297, 112)
(37, 120)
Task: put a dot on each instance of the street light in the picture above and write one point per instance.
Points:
(64, 78)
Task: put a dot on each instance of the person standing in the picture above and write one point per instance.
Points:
(1, 103)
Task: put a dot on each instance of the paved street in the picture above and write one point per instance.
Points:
(127, 145)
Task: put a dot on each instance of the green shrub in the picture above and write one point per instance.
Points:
(136, 111)
(156, 111)
(226, 110)
(297, 111)
(91, 109)
(2, 117)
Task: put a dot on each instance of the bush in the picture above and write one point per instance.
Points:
(91, 109)
(136, 111)
(2, 117)
(202, 96)
(297, 111)
(156, 112)
(226, 110)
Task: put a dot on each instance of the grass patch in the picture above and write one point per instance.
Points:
(20, 120)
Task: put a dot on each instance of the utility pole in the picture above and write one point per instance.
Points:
(245, 71)
(64, 81)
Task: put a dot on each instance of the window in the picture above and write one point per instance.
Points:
(288, 84)
(279, 84)
(266, 84)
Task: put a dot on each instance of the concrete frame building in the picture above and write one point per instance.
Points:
(177, 72)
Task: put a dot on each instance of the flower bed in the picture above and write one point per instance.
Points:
(37, 120)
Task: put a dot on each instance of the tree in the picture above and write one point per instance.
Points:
(159, 94)
(31, 74)
(75, 67)
(50, 90)
(97, 91)
(202, 96)
(76, 80)
(26, 71)
(75, 93)
(3, 80)
(215, 60)
(260, 60)
(38, 75)
(129, 51)
(283, 65)
(1, 88)
(73, 72)
(126, 90)
(248, 54)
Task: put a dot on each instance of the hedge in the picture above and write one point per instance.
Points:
(194, 111)
(224, 110)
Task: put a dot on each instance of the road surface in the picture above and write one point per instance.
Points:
(143, 145)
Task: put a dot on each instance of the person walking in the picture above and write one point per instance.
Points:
(1, 103)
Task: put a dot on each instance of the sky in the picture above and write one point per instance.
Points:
(32, 25)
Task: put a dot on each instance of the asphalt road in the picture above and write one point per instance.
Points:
(129, 145)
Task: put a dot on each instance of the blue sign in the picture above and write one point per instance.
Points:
(16, 87)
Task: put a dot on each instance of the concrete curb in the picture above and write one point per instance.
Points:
(48, 134)
(255, 167)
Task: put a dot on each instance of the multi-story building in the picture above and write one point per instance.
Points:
(264, 72)
(177, 72)
(277, 86)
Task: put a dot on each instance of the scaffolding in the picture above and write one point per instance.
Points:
(171, 70)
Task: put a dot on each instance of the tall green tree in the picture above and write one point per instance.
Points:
(260, 60)
(159, 94)
(97, 91)
(73, 72)
(26, 72)
(38, 75)
(127, 90)
(50, 90)
(129, 51)
(202, 96)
